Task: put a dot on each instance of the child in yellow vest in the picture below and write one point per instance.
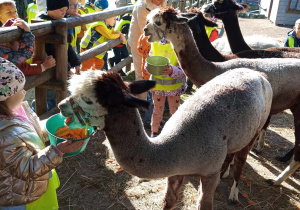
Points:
(98, 33)
(171, 84)
(28, 179)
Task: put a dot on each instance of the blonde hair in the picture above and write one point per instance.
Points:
(6, 2)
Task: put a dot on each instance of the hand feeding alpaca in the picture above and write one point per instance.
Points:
(236, 102)
(283, 74)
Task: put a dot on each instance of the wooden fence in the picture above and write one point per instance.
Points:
(55, 32)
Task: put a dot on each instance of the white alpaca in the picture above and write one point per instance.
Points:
(223, 117)
(255, 42)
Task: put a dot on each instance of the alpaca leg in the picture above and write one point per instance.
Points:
(262, 136)
(239, 162)
(173, 187)
(286, 173)
(226, 165)
(208, 185)
(296, 160)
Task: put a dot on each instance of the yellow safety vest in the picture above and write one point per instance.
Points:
(89, 9)
(119, 27)
(164, 82)
(208, 30)
(88, 35)
(291, 41)
(48, 201)
(77, 30)
(31, 11)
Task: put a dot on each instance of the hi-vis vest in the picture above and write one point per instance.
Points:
(208, 30)
(31, 11)
(89, 9)
(119, 27)
(77, 30)
(292, 42)
(164, 82)
(88, 35)
(49, 199)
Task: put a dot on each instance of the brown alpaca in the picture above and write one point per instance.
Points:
(283, 74)
(224, 116)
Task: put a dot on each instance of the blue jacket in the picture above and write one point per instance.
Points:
(292, 34)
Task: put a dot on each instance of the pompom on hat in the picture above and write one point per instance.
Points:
(101, 4)
(11, 79)
(57, 4)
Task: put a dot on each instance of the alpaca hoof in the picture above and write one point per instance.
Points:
(232, 201)
(270, 181)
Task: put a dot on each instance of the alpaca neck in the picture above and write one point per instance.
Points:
(131, 145)
(234, 34)
(197, 69)
(205, 47)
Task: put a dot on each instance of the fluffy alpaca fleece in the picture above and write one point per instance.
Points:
(82, 88)
(255, 42)
(224, 116)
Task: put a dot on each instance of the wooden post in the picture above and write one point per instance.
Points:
(61, 56)
(40, 93)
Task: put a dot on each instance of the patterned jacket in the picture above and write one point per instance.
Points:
(25, 50)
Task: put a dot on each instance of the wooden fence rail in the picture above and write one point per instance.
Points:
(56, 32)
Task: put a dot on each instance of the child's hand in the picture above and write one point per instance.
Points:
(122, 37)
(22, 24)
(49, 62)
(77, 70)
(69, 146)
(168, 70)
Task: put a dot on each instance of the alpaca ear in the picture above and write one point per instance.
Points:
(207, 22)
(180, 20)
(194, 24)
(141, 86)
(136, 102)
(243, 7)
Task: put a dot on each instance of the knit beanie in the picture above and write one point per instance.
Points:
(57, 4)
(101, 4)
(11, 79)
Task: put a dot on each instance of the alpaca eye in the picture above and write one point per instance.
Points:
(86, 100)
(158, 23)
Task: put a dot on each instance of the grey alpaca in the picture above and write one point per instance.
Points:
(283, 74)
(222, 117)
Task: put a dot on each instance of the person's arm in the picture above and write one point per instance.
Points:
(30, 69)
(102, 30)
(177, 72)
(72, 57)
(141, 18)
(22, 162)
(25, 50)
(286, 43)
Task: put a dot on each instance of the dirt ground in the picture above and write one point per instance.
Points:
(94, 180)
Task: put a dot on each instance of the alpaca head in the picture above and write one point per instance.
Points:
(197, 21)
(219, 8)
(161, 23)
(97, 93)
